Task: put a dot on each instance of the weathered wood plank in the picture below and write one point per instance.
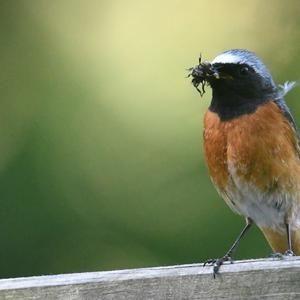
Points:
(252, 279)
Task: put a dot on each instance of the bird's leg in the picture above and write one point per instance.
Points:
(289, 251)
(229, 254)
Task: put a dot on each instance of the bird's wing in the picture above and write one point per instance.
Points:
(286, 112)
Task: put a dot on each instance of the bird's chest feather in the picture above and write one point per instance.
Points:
(253, 161)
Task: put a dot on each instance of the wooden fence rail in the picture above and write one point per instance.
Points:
(251, 279)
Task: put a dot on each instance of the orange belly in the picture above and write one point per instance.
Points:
(253, 162)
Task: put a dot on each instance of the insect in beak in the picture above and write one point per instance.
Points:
(201, 74)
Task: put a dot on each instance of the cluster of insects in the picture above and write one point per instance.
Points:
(200, 73)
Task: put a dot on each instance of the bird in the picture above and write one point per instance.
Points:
(252, 148)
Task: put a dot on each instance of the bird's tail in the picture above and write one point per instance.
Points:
(286, 87)
(278, 239)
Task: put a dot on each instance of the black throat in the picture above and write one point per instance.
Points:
(240, 91)
(232, 106)
(232, 99)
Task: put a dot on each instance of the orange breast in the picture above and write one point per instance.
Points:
(262, 146)
(263, 151)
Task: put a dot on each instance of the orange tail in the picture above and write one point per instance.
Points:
(278, 240)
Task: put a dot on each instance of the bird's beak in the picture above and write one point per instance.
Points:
(204, 74)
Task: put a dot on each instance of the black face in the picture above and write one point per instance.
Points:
(237, 88)
(238, 81)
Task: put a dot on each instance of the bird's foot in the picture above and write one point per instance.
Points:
(288, 253)
(276, 255)
(217, 263)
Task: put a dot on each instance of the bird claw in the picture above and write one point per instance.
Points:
(217, 263)
(276, 255)
(210, 262)
(288, 253)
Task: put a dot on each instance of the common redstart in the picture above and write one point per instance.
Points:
(252, 148)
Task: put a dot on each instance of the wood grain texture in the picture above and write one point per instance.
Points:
(251, 279)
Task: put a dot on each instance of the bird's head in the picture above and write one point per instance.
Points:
(239, 80)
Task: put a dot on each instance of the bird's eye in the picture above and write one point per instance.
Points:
(244, 71)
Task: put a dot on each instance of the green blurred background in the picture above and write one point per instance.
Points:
(101, 134)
